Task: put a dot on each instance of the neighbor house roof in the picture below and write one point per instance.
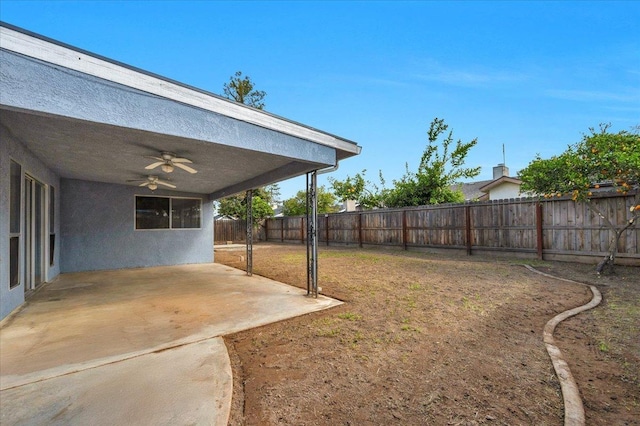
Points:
(471, 190)
(501, 180)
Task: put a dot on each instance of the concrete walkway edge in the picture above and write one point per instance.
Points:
(573, 408)
(10, 381)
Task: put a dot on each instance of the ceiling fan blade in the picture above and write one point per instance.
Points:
(144, 183)
(154, 165)
(187, 168)
(154, 158)
(181, 160)
(161, 182)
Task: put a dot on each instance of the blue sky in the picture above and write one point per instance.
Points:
(533, 76)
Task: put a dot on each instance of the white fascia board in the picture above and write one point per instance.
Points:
(38, 48)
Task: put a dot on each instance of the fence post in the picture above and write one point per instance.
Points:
(282, 230)
(467, 228)
(539, 238)
(404, 229)
(360, 229)
(326, 227)
(302, 229)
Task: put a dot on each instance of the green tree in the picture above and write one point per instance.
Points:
(241, 89)
(261, 202)
(367, 194)
(600, 158)
(437, 172)
(297, 205)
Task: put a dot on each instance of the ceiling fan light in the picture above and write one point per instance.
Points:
(153, 186)
(167, 168)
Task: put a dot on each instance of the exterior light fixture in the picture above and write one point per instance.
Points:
(167, 168)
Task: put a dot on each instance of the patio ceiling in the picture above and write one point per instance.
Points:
(97, 152)
(89, 118)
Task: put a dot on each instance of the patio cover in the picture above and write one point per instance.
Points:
(90, 118)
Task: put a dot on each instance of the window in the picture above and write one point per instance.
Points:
(15, 196)
(152, 213)
(168, 213)
(185, 213)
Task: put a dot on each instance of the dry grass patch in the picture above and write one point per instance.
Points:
(421, 339)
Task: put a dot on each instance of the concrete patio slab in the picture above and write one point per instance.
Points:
(85, 330)
(190, 384)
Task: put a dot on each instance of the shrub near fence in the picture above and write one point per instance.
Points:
(552, 229)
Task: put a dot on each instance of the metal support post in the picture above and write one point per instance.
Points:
(249, 233)
(307, 211)
(312, 237)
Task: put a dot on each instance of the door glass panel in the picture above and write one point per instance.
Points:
(28, 234)
(38, 233)
(14, 262)
(52, 224)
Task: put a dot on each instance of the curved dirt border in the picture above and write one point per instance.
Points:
(573, 408)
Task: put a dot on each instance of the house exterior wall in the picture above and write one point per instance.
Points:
(98, 230)
(504, 191)
(12, 149)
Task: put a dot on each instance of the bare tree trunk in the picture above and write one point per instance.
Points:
(609, 260)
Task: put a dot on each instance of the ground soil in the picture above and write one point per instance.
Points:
(435, 339)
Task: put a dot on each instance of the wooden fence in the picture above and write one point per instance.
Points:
(225, 230)
(551, 229)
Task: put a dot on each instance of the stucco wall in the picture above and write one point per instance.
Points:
(98, 221)
(68, 93)
(11, 149)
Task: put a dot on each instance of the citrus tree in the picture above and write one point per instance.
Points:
(600, 158)
(360, 189)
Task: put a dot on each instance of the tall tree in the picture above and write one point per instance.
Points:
(297, 205)
(437, 172)
(241, 89)
(600, 158)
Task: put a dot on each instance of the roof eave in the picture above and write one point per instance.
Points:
(18, 40)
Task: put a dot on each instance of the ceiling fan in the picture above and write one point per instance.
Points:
(169, 161)
(152, 182)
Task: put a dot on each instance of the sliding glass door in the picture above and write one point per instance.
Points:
(34, 233)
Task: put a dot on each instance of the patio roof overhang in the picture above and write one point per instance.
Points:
(87, 117)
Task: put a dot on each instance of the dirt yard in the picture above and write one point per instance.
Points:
(432, 339)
